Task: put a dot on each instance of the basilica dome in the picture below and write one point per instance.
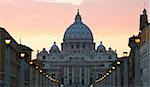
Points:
(78, 31)
(101, 48)
(54, 49)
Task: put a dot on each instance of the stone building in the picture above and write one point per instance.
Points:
(78, 63)
(145, 51)
(13, 70)
(139, 61)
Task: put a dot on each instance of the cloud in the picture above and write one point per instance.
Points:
(73, 2)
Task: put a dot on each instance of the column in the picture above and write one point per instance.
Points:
(36, 79)
(125, 73)
(21, 82)
(137, 81)
(80, 75)
(88, 76)
(73, 75)
(85, 75)
(7, 78)
(118, 76)
(68, 75)
(114, 79)
(30, 76)
(41, 80)
(65, 76)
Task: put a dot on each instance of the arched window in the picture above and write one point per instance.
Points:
(44, 57)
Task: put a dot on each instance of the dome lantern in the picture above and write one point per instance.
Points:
(78, 17)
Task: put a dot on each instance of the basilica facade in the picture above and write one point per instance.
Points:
(78, 63)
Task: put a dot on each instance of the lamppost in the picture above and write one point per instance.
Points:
(7, 62)
(137, 79)
(22, 56)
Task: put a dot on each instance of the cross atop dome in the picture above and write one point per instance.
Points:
(78, 17)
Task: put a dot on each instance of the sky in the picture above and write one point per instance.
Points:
(41, 22)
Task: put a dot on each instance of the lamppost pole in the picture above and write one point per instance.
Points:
(7, 62)
(137, 80)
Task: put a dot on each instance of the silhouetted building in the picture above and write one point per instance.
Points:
(13, 72)
(139, 71)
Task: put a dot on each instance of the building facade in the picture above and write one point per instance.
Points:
(139, 61)
(145, 51)
(13, 72)
(16, 67)
(78, 63)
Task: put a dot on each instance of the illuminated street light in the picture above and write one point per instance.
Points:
(30, 62)
(107, 74)
(41, 71)
(7, 41)
(113, 67)
(47, 76)
(110, 71)
(22, 54)
(118, 62)
(37, 67)
(137, 40)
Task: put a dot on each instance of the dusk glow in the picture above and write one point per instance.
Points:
(41, 22)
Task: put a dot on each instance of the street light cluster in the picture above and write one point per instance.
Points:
(22, 55)
(109, 71)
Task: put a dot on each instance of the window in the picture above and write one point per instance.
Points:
(70, 81)
(70, 58)
(78, 46)
(62, 80)
(99, 75)
(99, 57)
(101, 65)
(44, 57)
(110, 57)
(83, 46)
(82, 57)
(82, 81)
(72, 46)
(91, 80)
(53, 75)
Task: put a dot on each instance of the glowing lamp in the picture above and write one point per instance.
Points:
(30, 62)
(41, 71)
(37, 67)
(110, 71)
(113, 67)
(137, 40)
(118, 62)
(7, 41)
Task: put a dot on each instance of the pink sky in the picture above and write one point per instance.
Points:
(41, 22)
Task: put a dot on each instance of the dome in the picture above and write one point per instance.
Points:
(78, 31)
(101, 48)
(54, 49)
